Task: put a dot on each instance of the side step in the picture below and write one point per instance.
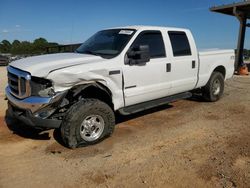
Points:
(153, 103)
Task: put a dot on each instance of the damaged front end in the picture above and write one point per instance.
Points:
(35, 111)
(32, 100)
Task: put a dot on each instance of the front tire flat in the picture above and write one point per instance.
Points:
(87, 122)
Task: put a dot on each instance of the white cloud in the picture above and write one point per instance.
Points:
(17, 29)
(5, 31)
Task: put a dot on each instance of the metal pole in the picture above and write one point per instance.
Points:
(241, 39)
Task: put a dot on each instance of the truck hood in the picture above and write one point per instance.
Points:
(42, 65)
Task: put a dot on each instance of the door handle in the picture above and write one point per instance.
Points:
(168, 67)
(193, 64)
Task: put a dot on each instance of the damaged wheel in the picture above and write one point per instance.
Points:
(87, 122)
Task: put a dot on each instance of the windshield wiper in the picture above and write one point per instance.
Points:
(87, 52)
(91, 52)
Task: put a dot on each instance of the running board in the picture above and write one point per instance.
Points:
(153, 103)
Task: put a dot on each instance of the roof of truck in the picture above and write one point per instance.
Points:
(144, 27)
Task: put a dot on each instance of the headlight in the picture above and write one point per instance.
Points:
(49, 92)
(41, 87)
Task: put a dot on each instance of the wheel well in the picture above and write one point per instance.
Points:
(95, 90)
(221, 69)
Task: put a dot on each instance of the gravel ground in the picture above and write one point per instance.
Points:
(3, 80)
(189, 143)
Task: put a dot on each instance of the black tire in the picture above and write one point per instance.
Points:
(210, 93)
(72, 126)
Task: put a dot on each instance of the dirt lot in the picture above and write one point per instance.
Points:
(189, 143)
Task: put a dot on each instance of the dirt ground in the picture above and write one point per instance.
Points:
(189, 143)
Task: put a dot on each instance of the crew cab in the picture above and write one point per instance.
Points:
(124, 69)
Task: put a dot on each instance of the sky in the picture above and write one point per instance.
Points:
(66, 22)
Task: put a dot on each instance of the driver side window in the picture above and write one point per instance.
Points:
(155, 42)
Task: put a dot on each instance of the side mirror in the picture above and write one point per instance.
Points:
(139, 55)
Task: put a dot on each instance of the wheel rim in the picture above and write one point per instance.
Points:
(92, 128)
(216, 87)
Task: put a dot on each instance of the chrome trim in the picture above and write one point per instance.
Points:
(32, 103)
(21, 74)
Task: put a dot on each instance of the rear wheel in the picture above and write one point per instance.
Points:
(87, 122)
(214, 88)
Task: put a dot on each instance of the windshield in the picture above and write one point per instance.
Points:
(106, 43)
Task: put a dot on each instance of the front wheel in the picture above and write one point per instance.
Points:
(87, 122)
(214, 88)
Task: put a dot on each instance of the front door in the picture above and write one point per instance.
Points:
(147, 82)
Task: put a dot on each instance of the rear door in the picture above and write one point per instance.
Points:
(145, 82)
(184, 62)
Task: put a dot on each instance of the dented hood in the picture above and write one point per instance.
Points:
(42, 65)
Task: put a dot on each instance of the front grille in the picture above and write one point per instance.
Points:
(19, 82)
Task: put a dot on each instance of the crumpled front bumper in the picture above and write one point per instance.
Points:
(25, 109)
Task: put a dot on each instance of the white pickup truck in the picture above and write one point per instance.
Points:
(125, 70)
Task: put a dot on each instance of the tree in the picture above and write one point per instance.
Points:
(26, 48)
(16, 46)
(16, 43)
(39, 46)
(5, 46)
(246, 53)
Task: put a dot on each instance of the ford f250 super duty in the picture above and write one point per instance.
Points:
(125, 70)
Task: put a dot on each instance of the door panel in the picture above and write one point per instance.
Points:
(184, 63)
(183, 76)
(150, 81)
(144, 83)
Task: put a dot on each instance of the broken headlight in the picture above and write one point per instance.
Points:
(41, 87)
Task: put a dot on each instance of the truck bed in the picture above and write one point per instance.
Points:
(210, 59)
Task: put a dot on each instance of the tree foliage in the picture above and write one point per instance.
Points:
(38, 46)
(5, 46)
(246, 53)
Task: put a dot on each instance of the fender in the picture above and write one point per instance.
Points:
(82, 78)
(80, 88)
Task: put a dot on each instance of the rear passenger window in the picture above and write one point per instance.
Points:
(155, 42)
(180, 43)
